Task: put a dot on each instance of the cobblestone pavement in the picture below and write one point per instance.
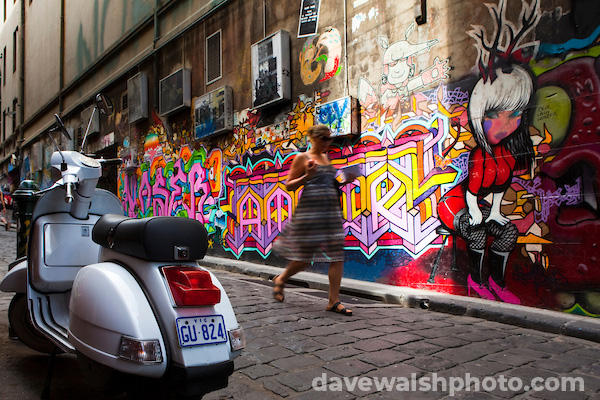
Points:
(292, 343)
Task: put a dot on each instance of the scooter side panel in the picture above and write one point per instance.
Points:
(16, 279)
(106, 304)
(60, 246)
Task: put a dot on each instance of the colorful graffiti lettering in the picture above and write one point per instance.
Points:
(391, 205)
(186, 186)
(394, 204)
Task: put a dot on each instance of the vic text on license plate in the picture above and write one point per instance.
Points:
(194, 331)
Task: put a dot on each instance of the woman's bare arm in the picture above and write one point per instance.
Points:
(300, 172)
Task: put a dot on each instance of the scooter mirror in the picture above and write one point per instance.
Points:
(61, 126)
(104, 104)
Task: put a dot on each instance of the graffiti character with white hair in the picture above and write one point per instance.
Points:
(498, 113)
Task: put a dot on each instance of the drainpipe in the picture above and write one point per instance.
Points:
(21, 117)
(154, 55)
(61, 61)
(346, 89)
(156, 6)
(422, 19)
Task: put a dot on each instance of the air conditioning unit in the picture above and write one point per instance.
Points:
(213, 112)
(342, 116)
(137, 97)
(271, 83)
(175, 92)
(84, 117)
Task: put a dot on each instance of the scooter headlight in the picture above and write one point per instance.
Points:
(140, 351)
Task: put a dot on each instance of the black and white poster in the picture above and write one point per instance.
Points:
(309, 18)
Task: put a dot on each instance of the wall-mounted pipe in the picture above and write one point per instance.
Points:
(155, 54)
(264, 21)
(21, 101)
(61, 60)
(346, 77)
(422, 19)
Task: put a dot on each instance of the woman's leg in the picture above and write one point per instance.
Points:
(336, 270)
(292, 269)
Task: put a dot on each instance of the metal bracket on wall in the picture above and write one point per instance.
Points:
(422, 19)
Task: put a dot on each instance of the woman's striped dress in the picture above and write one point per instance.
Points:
(315, 232)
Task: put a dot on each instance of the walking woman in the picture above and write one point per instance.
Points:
(315, 233)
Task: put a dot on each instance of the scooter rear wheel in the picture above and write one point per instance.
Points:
(18, 316)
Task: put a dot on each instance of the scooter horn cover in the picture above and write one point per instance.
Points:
(154, 238)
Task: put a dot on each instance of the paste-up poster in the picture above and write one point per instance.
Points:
(309, 18)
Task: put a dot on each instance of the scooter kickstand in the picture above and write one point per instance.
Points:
(46, 392)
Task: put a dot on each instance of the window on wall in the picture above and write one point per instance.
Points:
(5, 10)
(15, 36)
(213, 57)
(3, 125)
(4, 66)
(124, 101)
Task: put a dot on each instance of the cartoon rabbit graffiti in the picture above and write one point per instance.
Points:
(399, 77)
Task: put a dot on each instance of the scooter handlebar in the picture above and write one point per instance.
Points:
(69, 193)
(111, 161)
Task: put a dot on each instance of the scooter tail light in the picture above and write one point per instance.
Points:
(191, 286)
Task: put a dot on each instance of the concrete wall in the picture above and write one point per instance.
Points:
(93, 27)
(9, 68)
(43, 82)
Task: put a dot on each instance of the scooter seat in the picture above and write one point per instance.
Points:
(154, 238)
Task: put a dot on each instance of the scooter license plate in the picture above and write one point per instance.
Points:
(196, 331)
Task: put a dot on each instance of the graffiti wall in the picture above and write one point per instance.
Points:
(482, 186)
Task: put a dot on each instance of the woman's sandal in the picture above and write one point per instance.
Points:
(278, 291)
(342, 311)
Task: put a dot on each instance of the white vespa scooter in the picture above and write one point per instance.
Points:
(126, 295)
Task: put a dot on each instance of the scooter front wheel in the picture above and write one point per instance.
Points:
(18, 316)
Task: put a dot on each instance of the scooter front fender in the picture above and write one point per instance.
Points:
(107, 304)
(16, 279)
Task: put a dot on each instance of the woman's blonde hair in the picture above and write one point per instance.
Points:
(317, 129)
